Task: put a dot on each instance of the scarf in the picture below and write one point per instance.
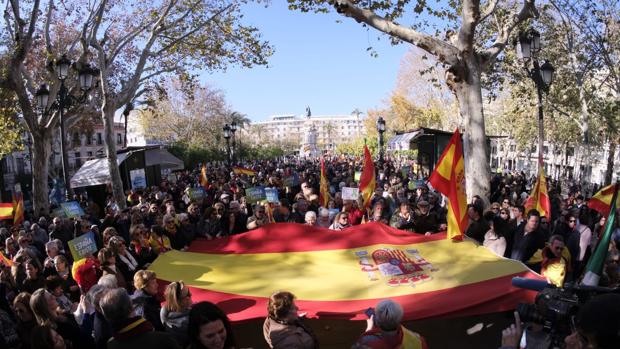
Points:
(132, 327)
(129, 261)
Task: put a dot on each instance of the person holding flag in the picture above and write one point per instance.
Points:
(539, 197)
(204, 181)
(449, 179)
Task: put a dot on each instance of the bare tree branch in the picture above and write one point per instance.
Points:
(48, 19)
(527, 11)
(469, 19)
(489, 10)
(445, 52)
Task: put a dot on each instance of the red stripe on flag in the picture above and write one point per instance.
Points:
(302, 238)
(479, 298)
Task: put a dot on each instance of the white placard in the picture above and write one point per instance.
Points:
(350, 193)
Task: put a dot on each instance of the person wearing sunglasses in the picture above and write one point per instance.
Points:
(175, 313)
(258, 219)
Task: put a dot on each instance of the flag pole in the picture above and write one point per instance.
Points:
(594, 269)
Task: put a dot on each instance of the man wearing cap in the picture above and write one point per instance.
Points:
(424, 221)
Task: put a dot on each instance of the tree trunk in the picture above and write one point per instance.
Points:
(41, 149)
(477, 168)
(107, 114)
(609, 172)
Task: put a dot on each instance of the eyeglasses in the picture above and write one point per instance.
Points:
(572, 221)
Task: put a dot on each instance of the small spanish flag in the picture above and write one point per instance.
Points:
(324, 186)
(245, 171)
(449, 179)
(367, 179)
(601, 201)
(4, 260)
(204, 181)
(18, 204)
(539, 198)
(6, 210)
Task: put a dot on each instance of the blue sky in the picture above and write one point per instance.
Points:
(317, 62)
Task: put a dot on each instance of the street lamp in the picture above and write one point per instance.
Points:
(63, 100)
(233, 129)
(380, 129)
(227, 137)
(528, 47)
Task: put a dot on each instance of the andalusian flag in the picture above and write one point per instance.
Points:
(601, 201)
(336, 275)
(245, 171)
(449, 179)
(18, 204)
(367, 179)
(204, 180)
(539, 198)
(6, 210)
(594, 269)
(324, 187)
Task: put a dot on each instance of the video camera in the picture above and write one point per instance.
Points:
(555, 308)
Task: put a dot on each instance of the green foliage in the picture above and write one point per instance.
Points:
(191, 154)
(10, 131)
(356, 146)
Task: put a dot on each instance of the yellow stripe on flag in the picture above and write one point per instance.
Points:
(330, 275)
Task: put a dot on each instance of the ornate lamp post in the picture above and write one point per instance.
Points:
(86, 75)
(233, 129)
(528, 47)
(227, 138)
(381, 130)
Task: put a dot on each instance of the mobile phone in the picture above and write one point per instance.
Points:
(369, 312)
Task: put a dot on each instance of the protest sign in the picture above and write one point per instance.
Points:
(350, 193)
(272, 195)
(138, 178)
(83, 246)
(405, 170)
(292, 180)
(196, 193)
(255, 194)
(72, 209)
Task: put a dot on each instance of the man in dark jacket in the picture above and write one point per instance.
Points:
(527, 239)
(477, 226)
(131, 332)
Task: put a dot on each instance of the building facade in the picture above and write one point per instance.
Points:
(331, 130)
(579, 163)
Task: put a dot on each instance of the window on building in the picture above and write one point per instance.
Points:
(119, 138)
(99, 138)
(20, 165)
(501, 147)
(89, 154)
(513, 147)
(570, 151)
(545, 149)
(89, 138)
(75, 139)
(78, 160)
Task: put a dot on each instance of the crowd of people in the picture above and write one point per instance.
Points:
(111, 300)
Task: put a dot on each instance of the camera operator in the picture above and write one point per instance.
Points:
(596, 326)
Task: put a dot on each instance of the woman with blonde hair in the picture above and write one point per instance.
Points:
(175, 314)
(47, 313)
(145, 300)
(283, 329)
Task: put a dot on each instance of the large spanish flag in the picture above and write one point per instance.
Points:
(324, 186)
(601, 201)
(449, 179)
(6, 210)
(243, 170)
(539, 198)
(339, 274)
(367, 179)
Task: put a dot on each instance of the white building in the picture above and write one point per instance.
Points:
(331, 129)
(580, 163)
(136, 137)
